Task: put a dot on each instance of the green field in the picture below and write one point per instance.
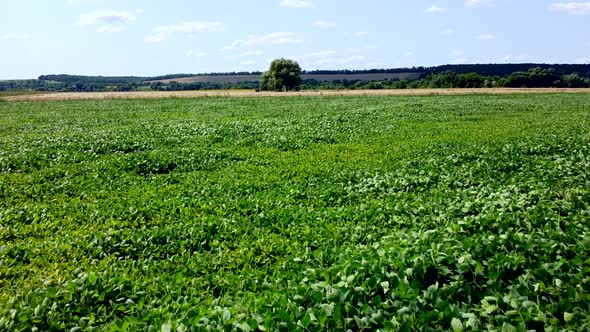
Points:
(296, 213)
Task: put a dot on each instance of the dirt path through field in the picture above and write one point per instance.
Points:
(249, 93)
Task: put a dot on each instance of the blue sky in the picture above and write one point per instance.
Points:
(133, 37)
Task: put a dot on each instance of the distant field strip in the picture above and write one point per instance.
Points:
(317, 77)
(250, 93)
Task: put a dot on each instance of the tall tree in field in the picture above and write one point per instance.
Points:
(283, 75)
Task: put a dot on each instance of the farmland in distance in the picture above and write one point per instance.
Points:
(367, 77)
(297, 213)
(63, 96)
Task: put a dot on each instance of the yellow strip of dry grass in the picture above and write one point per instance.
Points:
(249, 93)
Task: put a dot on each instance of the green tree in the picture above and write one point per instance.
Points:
(573, 81)
(174, 86)
(469, 80)
(283, 75)
(157, 86)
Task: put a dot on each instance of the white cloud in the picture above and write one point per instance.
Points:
(106, 20)
(447, 32)
(486, 36)
(297, 3)
(109, 28)
(163, 32)
(330, 59)
(458, 57)
(572, 8)
(583, 60)
(83, 2)
(251, 53)
(195, 54)
(512, 58)
(323, 24)
(274, 38)
(459, 61)
(248, 63)
(344, 58)
(436, 10)
(15, 36)
(477, 3)
(457, 53)
(361, 34)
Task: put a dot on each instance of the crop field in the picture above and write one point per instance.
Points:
(20, 96)
(17, 93)
(458, 212)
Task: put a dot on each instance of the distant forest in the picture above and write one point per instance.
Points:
(447, 76)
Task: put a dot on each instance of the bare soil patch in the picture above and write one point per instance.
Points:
(251, 93)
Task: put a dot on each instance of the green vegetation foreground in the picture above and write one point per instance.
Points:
(442, 212)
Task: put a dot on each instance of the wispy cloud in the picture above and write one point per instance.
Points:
(572, 8)
(361, 34)
(196, 54)
(486, 36)
(447, 32)
(323, 24)
(109, 28)
(297, 3)
(477, 3)
(436, 10)
(15, 36)
(162, 33)
(342, 58)
(106, 20)
(274, 38)
(460, 61)
(251, 53)
(458, 57)
(513, 58)
(327, 59)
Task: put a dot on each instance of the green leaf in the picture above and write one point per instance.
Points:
(558, 282)
(472, 322)
(306, 320)
(508, 328)
(332, 294)
(337, 314)
(166, 327)
(457, 325)
(92, 278)
(385, 286)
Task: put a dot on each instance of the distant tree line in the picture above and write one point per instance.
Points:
(448, 76)
(90, 79)
(369, 71)
(537, 77)
(503, 70)
(533, 78)
(175, 86)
